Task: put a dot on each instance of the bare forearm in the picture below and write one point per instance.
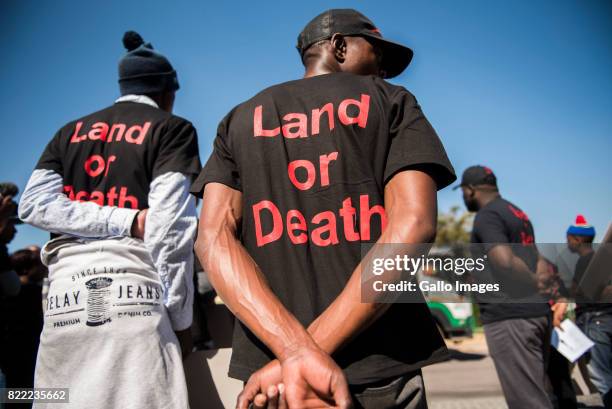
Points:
(523, 272)
(237, 278)
(347, 316)
(243, 288)
(515, 277)
(520, 273)
(409, 223)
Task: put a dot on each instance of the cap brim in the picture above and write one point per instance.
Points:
(396, 57)
(457, 187)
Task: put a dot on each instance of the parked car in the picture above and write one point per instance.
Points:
(452, 312)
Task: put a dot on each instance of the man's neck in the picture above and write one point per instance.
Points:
(488, 199)
(319, 67)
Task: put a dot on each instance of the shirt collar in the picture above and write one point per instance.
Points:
(141, 99)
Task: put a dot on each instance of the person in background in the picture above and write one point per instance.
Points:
(9, 281)
(566, 264)
(24, 319)
(113, 189)
(559, 368)
(517, 334)
(592, 317)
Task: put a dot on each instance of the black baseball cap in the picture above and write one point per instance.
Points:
(349, 22)
(477, 175)
(11, 189)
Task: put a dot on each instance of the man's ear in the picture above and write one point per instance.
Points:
(338, 43)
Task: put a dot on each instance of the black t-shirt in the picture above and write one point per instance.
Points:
(312, 158)
(500, 221)
(111, 157)
(582, 304)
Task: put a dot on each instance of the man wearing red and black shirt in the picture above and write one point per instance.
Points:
(518, 334)
(300, 176)
(113, 189)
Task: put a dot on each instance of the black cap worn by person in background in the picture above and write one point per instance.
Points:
(349, 22)
(143, 70)
(11, 189)
(477, 175)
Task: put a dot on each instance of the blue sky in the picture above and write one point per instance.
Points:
(522, 87)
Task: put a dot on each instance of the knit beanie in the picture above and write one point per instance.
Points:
(581, 228)
(143, 70)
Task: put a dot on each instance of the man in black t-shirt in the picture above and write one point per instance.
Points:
(119, 307)
(594, 318)
(518, 334)
(300, 176)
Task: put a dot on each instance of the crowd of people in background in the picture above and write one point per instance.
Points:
(22, 278)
